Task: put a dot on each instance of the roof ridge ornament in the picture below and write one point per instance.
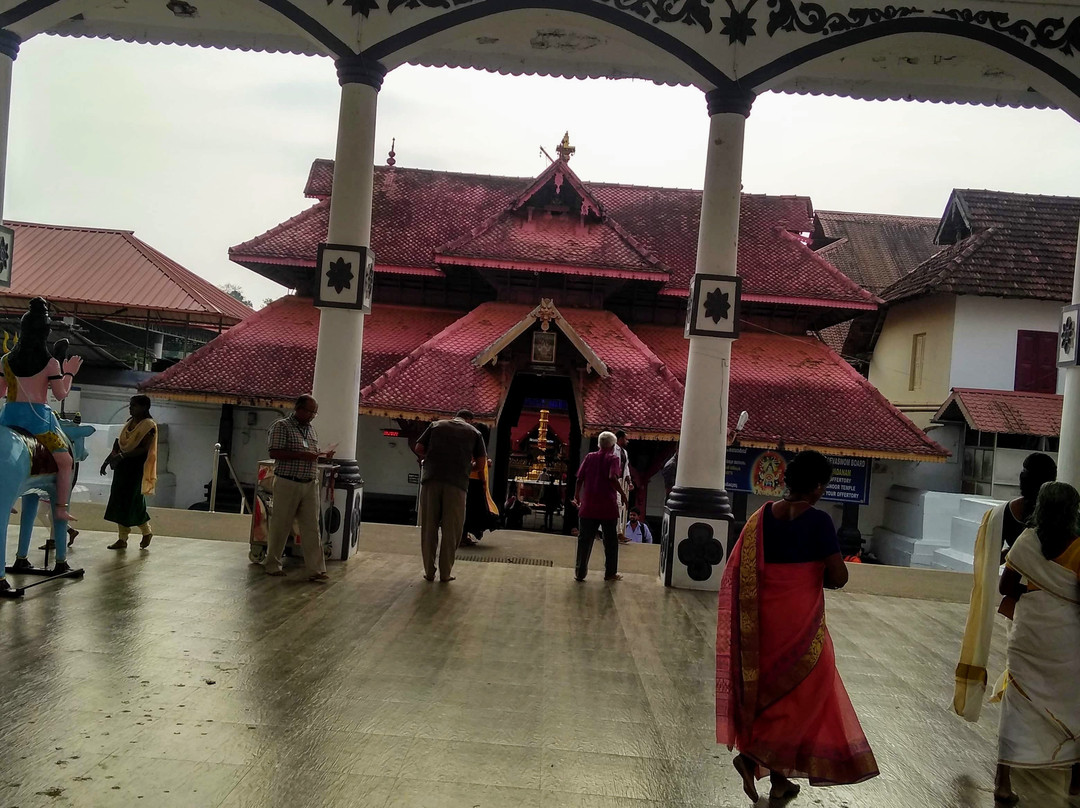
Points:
(546, 312)
(564, 149)
(390, 158)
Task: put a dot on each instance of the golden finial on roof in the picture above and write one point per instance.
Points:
(564, 149)
(390, 161)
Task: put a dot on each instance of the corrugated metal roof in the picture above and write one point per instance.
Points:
(97, 272)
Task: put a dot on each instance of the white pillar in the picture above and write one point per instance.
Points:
(341, 331)
(699, 480)
(9, 49)
(1068, 462)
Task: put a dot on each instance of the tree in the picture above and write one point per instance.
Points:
(234, 291)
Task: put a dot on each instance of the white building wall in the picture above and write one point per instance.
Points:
(385, 463)
(984, 338)
(191, 430)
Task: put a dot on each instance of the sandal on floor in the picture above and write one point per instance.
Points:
(120, 544)
(318, 578)
(275, 573)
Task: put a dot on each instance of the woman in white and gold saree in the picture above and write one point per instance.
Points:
(1040, 700)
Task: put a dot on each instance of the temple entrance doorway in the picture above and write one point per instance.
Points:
(538, 450)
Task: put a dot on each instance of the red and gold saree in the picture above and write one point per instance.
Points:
(779, 698)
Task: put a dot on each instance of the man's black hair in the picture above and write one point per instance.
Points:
(141, 399)
(465, 415)
(620, 434)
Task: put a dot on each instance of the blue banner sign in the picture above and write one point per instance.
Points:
(761, 471)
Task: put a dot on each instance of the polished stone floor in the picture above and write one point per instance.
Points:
(183, 676)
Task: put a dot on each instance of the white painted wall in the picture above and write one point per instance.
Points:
(984, 338)
(190, 430)
(385, 463)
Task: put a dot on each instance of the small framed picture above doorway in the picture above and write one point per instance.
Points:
(543, 348)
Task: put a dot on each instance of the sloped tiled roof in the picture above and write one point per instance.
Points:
(439, 377)
(419, 363)
(417, 212)
(270, 357)
(1010, 245)
(1004, 411)
(874, 250)
(111, 273)
(797, 390)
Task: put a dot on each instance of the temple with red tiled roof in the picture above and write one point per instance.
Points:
(512, 296)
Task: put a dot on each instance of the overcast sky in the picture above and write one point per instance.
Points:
(197, 150)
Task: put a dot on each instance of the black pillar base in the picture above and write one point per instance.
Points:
(851, 540)
(341, 517)
(695, 537)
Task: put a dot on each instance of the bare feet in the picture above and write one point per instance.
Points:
(615, 577)
(447, 580)
(745, 767)
(319, 578)
(1003, 793)
(429, 577)
(149, 537)
(119, 544)
(72, 533)
(275, 573)
(782, 788)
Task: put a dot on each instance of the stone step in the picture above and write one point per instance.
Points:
(925, 552)
(976, 507)
(963, 532)
(951, 559)
(892, 548)
(905, 518)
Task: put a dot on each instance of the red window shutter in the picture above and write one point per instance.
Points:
(1036, 362)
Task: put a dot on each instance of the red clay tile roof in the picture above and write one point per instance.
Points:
(416, 212)
(419, 362)
(1009, 245)
(799, 391)
(439, 377)
(270, 357)
(111, 272)
(320, 179)
(561, 244)
(874, 250)
(1004, 411)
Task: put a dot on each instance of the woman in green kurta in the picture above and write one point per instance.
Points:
(133, 460)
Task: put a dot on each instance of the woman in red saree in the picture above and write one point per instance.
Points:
(779, 698)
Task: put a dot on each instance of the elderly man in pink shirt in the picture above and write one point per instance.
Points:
(597, 497)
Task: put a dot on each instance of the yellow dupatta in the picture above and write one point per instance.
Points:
(130, 438)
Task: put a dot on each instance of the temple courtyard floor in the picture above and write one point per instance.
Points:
(184, 676)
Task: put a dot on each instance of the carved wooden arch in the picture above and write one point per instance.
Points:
(287, 9)
(1009, 39)
(639, 28)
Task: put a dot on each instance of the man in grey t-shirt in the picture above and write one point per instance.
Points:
(450, 449)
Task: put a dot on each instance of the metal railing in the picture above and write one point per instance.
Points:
(218, 457)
